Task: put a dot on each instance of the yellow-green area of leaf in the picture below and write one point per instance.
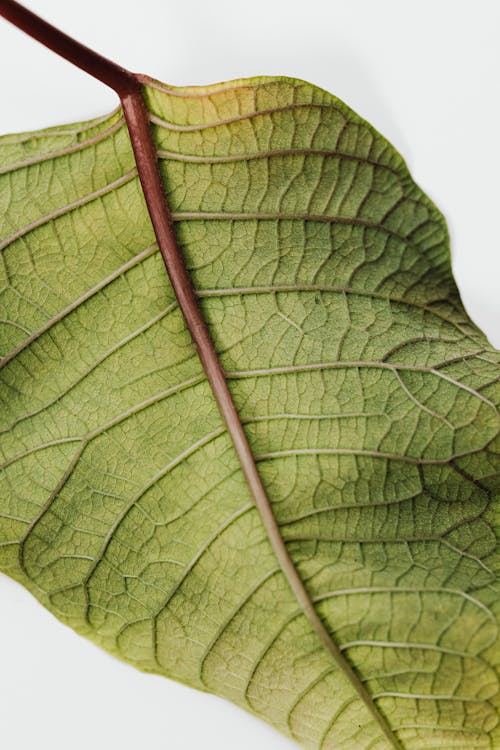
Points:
(369, 399)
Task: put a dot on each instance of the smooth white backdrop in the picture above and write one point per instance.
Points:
(426, 75)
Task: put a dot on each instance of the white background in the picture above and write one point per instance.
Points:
(426, 75)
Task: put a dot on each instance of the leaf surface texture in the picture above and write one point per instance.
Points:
(369, 398)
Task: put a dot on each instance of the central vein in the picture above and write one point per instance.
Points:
(137, 120)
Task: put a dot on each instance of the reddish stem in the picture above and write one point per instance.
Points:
(113, 75)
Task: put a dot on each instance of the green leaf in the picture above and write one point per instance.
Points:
(369, 398)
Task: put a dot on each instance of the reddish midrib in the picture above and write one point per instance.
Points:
(129, 88)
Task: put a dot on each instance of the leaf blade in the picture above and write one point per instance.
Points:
(289, 333)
